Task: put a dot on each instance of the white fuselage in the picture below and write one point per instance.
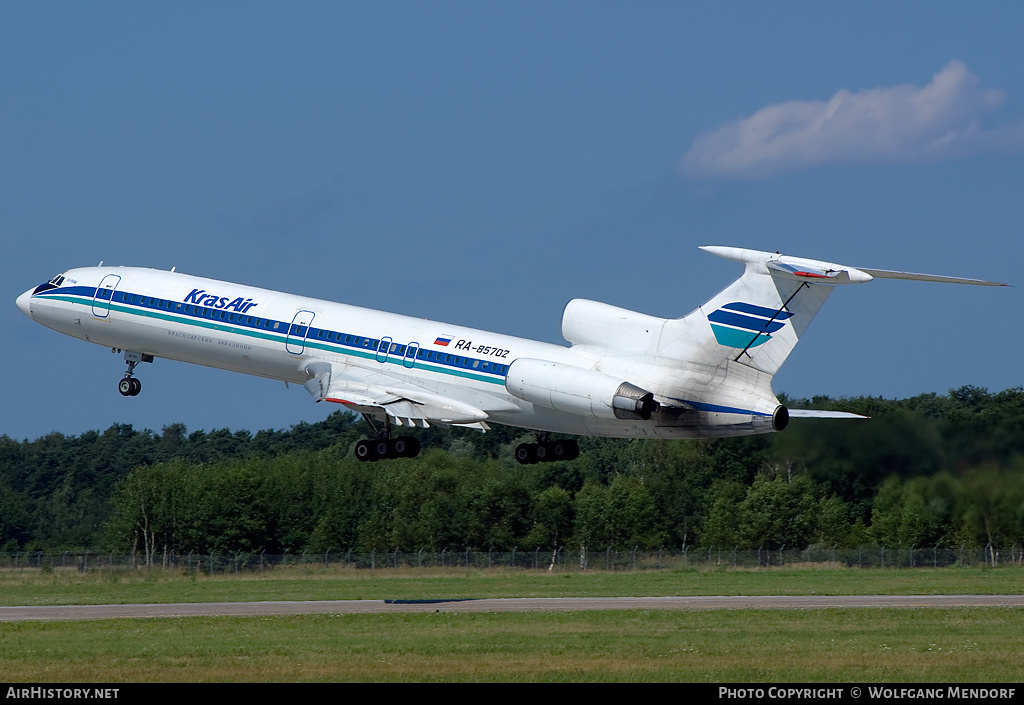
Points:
(277, 335)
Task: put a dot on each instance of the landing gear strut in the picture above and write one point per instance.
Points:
(547, 451)
(129, 386)
(384, 447)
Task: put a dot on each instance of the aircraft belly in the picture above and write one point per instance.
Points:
(547, 420)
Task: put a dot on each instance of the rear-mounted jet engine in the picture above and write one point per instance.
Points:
(576, 390)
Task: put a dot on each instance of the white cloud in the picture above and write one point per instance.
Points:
(905, 123)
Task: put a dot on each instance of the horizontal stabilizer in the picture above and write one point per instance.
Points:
(796, 268)
(823, 414)
(886, 274)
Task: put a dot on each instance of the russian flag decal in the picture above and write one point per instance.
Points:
(442, 341)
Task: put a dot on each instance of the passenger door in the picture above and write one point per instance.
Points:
(104, 294)
(295, 342)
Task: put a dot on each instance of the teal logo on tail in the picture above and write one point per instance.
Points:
(743, 325)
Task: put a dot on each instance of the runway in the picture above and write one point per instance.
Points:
(529, 604)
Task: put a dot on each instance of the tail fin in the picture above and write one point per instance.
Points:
(759, 318)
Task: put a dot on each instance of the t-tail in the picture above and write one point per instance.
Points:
(759, 318)
(735, 343)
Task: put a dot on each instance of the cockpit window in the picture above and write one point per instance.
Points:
(52, 284)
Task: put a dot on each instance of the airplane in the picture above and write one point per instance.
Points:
(624, 374)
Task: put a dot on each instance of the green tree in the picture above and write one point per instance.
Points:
(620, 515)
(722, 522)
(778, 512)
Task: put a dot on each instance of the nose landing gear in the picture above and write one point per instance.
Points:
(129, 386)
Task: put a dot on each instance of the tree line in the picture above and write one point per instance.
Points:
(931, 470)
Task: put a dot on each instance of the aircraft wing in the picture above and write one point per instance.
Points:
(369, 391)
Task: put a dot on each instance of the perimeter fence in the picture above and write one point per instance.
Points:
(559, 559)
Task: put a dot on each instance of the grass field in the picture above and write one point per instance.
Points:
(829, 645)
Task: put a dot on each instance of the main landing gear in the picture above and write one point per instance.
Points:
(129, 386)
(546, 451)
(384, 447)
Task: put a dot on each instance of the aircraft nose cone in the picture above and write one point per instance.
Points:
(23, 302)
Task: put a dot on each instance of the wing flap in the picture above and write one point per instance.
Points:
(406, 404)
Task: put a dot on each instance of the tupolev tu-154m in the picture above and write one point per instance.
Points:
(624, 375)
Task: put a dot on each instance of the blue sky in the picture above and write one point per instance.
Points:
(484, 163)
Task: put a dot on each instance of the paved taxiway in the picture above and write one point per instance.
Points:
(529, 604)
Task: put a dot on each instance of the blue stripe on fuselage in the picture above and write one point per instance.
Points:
(718, 408)
(279, 331)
